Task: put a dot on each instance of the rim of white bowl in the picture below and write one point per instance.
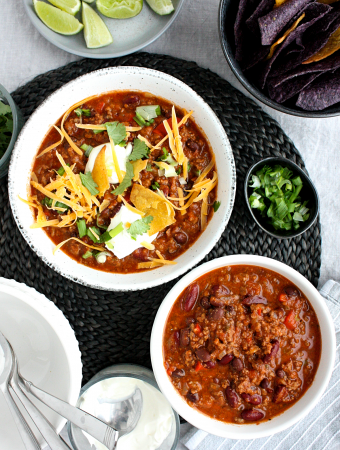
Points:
(293, 414)
(160, 278)
(59, 324)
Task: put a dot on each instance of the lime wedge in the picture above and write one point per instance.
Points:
(59, 21)
(96, 32)
(69, 6)
(120, 9)
(161, 7)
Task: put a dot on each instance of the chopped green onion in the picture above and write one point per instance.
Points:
(109, 245)
(61, 170)
(81, 224)
(91, 235)
(115, 231)
(87, 149)
(141, 119)
(179, 170)
(101, 257)
(216, 205)
(88, 254)
(148, 167)
(100, 226)
(155, 186)
(83, 112)
(47, 201)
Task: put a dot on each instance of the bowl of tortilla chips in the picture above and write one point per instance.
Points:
(285, 52)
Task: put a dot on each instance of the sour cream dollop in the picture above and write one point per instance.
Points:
(155, 421)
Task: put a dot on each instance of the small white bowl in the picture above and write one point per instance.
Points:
(99, 82)
(47, 351)
(291, 415)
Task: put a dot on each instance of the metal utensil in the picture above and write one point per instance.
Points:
(122, 415)
(26, 434)
(43, 425)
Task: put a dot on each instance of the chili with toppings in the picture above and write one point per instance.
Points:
(242, 344)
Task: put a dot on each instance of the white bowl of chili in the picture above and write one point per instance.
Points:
(132, 79)
(165, 342)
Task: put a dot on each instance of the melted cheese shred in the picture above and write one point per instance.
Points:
(115, 162)
(103, 127)
(143, 139)
(130, 207)
(51, 147)
(78, 240)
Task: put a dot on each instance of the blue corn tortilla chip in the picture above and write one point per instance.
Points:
(322, 93)
(263, 8)
(311, 42)
(314, 12)
(274, 22)
(328, 64)
(288, 89)
(245, 9)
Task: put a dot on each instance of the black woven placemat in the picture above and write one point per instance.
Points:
(115, 327)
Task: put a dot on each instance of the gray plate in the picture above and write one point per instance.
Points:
(129, 35)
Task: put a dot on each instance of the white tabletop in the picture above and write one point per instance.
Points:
(24, 53)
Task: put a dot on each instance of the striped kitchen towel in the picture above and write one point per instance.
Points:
(319, 430)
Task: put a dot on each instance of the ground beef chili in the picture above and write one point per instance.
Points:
(121, 106)
(242, 344)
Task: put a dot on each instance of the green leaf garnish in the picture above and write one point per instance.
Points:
(140, 150)
(88, 182)
(97, 131)
(126, 181)
(6, 127)
(47, 201)
(82, 230)
(216, 205)
(116, 131)
(155, 186)
(148, 112)
(276, 194)
(83, 112)
(140, 226)
(87, 149)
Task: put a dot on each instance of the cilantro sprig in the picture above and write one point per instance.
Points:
(140, 226)
(6, 127)
(116, 131)
(140, 150)
(127, 180)
(88, 182)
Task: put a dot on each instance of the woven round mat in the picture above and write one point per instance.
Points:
(115, 327)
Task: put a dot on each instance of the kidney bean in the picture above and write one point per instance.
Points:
(226, 359)
(217, 301)
(191, 297)
(254, 399)
(142, 254)
(184, 337)
(218, 290)
(210, 364)
(280, 373)
(165, 190)
(181, 238)
(192, 145)
(264, 383)
(279, 393)
(193, 397)
(132, 99)
(216, 380)
(203, 354)
(237, 364)
(232, 397)
(291, 291)
(215, 314)
(252, 415)
(176, 337)
(178, 373)
(251, 299)
(189, 320)
(229, 308)
(273, 351)
(205, 302)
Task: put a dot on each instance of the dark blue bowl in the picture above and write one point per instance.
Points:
(227, 15)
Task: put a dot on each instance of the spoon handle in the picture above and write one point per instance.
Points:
(43, 425)
(26, 433)
(88, 423)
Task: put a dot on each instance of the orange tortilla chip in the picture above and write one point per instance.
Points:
(99, 172)
(152, 205)
(287, 33)
(332, 45)
(138, 166)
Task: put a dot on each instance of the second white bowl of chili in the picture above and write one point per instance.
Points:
(29, 177)
(243, 347)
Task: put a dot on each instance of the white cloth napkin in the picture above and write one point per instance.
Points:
(320, 430)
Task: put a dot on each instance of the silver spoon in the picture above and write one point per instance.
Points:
(26, 434)
(124, 414)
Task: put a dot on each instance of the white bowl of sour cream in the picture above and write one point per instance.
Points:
(158, 425)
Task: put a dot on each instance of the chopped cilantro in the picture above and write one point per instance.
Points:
(140, 226)
(148, 167)
(189, 167)
(87, 149)
(126, 181)
(198, 173)
(88, 182)
(47, 201)
(97, 131)
(155, 186)
(179, 170)
(140, 150)
(165, 154)
(83, 112)
(6, 127)
(81, 224)
(216, 205)
(116, 131)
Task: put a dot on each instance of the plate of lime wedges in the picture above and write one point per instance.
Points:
(102, 28)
